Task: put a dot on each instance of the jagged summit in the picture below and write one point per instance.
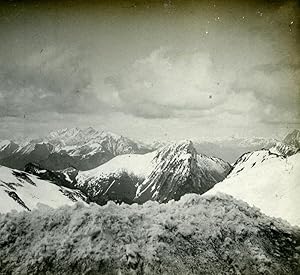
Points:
(183, 147)
(180, 170)
(183, 143)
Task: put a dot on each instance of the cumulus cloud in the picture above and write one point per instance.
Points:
(165, 84)
(179, 84)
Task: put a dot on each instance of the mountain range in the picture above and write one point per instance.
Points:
(85, 149)
(80, 148)
(130, 172)
(161, 175)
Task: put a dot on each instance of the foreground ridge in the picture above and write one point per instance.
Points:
(196, 235)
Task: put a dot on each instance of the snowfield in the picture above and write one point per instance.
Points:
(196, 235)
(22, 191)
(268, 181)
(139, 165)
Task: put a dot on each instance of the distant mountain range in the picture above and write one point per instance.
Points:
(85, 149)
(80, 148)
(231, 149)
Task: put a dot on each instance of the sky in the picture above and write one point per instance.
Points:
(150, 70)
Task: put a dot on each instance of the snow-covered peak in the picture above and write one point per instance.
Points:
(293, 139)
(289, 146)
(66, 132)
(89, 137)
(182, 150)
(268, 181)
(284, 149)
(167, 173)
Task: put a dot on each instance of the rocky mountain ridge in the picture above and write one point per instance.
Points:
(162, 175)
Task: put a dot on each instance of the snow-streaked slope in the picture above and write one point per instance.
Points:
(268, 181)
(116, 179)
(180, 170)
(7, 147)
(29, 152)
(284, 149)
(4, 144)
(22, 191)
(165, 174)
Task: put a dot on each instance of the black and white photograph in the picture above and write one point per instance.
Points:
(150, 137)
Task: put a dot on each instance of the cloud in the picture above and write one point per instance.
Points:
(177, 84)
(167, 83)
(276, 87)
(53, 79)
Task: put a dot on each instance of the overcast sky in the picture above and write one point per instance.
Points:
(150, 69)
